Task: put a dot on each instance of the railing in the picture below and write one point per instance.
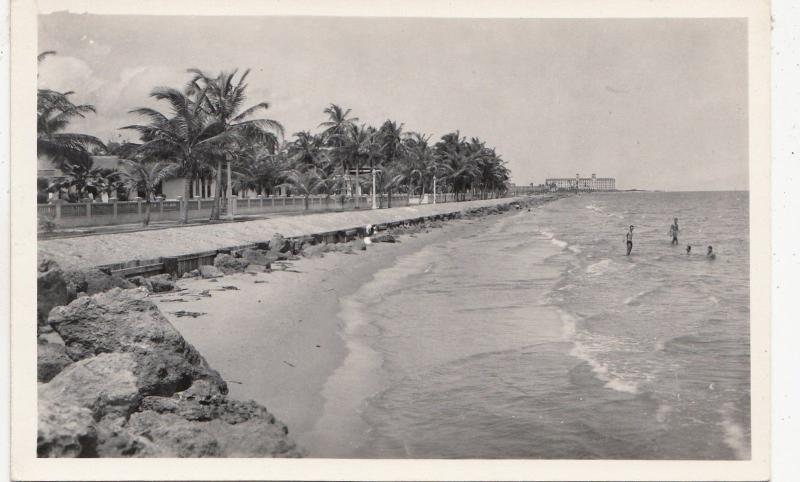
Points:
(125, 212)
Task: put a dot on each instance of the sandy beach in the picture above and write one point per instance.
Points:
(275, 337)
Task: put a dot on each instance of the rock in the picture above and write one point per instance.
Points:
(64, 430)
(279, 244)
(384, 238)
(115, 440)
(187, 275)
(359, 245)
(124, 321)
(51, 359)
(255, 269)
(142, 281)
(51, 290)
(177, 437)
(229, 265)
(161, 283)
(316, 250)
(92, 281)
(194, 273)
(207, 271)
(105, 384)
(256, 256)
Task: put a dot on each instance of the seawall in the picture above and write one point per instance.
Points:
(181, 249)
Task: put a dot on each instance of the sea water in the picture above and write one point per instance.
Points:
(536, 337)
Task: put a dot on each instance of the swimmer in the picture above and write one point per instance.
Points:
(710, 253)
(688, 249)
(629, 240)
(673, 231)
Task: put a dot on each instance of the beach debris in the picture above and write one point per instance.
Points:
(174, 300)
(227, 288)
(318, 346)
(182, 313)
(207, 271)
(260, 281)
(205, 293)
(234, 381)
(284, 361)
(213, 281)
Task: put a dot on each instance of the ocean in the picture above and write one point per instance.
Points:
(536, 337)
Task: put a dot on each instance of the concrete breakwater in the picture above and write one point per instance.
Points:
(117, 379)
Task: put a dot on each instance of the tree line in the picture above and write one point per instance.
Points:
(207, 123)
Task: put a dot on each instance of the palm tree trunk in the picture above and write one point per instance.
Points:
(146, 212)
(187, 183)
(217, 193)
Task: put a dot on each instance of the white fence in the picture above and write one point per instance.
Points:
(85, 214)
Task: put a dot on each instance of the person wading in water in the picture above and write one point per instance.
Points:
(629, 240)
(673, 231)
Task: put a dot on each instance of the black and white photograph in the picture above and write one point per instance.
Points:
(395, 237)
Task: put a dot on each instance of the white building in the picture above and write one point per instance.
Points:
(579, 183)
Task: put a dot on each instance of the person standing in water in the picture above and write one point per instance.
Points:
(710, 253)
(629, 240)
(673, 231)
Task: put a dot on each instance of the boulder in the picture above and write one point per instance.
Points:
(64, 430)
(115, 440)
(359, 245)
(161, 283)
(51, 290)
(207, 271)
(256, 256)
(175, 436)
(316, 250)
(229, 265)
(51, 359)
(92, 281)
(124, 321)
(105, 384)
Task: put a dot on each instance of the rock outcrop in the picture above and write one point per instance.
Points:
(132, 386)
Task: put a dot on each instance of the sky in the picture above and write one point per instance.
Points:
(655, 103)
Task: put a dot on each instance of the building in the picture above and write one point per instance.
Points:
(579, 183)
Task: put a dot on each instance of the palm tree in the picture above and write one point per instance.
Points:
(80, 177)
(145, 177)
(54, 112)
(305, 182)
(182, 137)
(222, 98)
(335, 133)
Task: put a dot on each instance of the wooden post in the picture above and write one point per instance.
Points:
(161, 206)
(58, 209)
(114, 203)
(88, 209)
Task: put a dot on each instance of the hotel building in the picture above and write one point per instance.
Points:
(579, 183)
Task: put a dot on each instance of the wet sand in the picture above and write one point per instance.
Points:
(275, 337)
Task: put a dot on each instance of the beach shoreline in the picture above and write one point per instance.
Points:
(272, 346)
